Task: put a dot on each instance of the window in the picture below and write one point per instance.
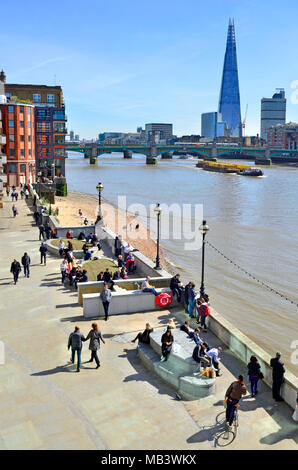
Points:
(21, 109)
(43, 113)
(22, 138)
(22, 168)
(7, 94)
(36, 97)
(50, 98)
(43, 126)
(44, 140)
(59, 152)
(11, 152)
(10, 109)
(11, 123)
(12, 168)
(59, 139)
(22, 124)
(59, 114)
(22, 152)
(11, 137)
(29, 138)
(59, 127)
(29, 124)
(29, 151)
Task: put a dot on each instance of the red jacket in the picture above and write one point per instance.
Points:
(204, 310)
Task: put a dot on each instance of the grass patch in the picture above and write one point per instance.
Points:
(94, 267)
(77, 244)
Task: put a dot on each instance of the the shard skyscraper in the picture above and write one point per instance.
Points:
(229, 100)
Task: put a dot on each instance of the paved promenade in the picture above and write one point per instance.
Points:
(45, 404)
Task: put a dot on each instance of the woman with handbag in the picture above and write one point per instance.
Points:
(254, 373)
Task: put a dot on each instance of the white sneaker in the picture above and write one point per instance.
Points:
(162, 359)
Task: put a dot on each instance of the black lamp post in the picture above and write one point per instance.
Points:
(99, 188)
(39, 176)
(157, 211)
(203, 229)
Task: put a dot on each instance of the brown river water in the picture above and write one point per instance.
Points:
(253, 221)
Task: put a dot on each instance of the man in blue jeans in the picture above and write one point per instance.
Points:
(146, 287)
(43, 253)
(75, 342)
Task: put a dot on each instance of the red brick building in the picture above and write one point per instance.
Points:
(18, 127)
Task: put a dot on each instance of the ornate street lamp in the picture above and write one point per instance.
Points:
(99, 188)
(157, 211)
(203, 229)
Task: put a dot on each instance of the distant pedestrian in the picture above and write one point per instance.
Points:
(106, 297)
(254, 373)
(27, 193)
(186, 297)
(64, 270)
(95, 337)
(42, 232)
(7, 191)
(203, 312)
(15, 269)
(118, 246)
(16, 195)
(191, 299)
(48, 231)
(36, 216)
(278, 371)
(34, 200)
(22, 194)
(26, 261)
(75, 342)
(12, 196)
(14, 210)
(43, 253)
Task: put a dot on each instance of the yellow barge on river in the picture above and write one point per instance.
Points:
(226, 167)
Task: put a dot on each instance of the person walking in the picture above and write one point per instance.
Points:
(254, 373)
(42, 232)
(26, 261)
(95, 337)
(75, 342)
(26, 193)
(22, 194)
(14, 210)
(16, 195)
(43, 253)
(232, 398)
(186, 289)
(278, 370)
(7, 191)
(48, 230)
(15, 269)
(106, 297)
(12, 196)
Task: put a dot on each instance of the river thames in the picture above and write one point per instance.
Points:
(253, 221)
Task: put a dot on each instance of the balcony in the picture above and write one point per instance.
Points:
(2, 139)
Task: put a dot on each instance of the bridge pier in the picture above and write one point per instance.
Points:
(86, 155)
(151, 160)
(167, 156)
(127, 153)
(264, 161)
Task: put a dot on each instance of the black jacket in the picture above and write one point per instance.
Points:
(174, 284)
(43, 249)
(15, 267)
(26, 260)
(254, 369)
(278, 368)
(185, 329)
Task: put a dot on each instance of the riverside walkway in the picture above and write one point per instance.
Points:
(45, 404)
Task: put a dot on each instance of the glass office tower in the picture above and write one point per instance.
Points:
(229, 100)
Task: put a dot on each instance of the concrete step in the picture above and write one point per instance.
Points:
(190, 387)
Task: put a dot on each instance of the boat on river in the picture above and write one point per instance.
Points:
(231, 168)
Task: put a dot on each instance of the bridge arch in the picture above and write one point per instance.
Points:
(248, 152)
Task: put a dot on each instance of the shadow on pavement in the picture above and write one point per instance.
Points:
(67, 305)
(56, 370)
(74, 319)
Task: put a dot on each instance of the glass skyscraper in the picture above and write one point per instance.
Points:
(229, 100)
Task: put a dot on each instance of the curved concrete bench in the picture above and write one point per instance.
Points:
(180, 370)
(123, 301)
(79, 254)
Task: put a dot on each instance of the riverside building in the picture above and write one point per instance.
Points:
(283, 136)
(273, 111)
(50, 120)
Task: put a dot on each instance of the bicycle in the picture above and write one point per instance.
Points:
(235, 423)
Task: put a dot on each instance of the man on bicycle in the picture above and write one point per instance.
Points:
(232, 398)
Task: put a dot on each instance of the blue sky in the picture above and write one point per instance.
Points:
(124, 63)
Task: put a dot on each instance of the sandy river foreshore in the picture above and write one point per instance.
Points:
(116, 219)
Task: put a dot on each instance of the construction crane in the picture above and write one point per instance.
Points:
(241, 124)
